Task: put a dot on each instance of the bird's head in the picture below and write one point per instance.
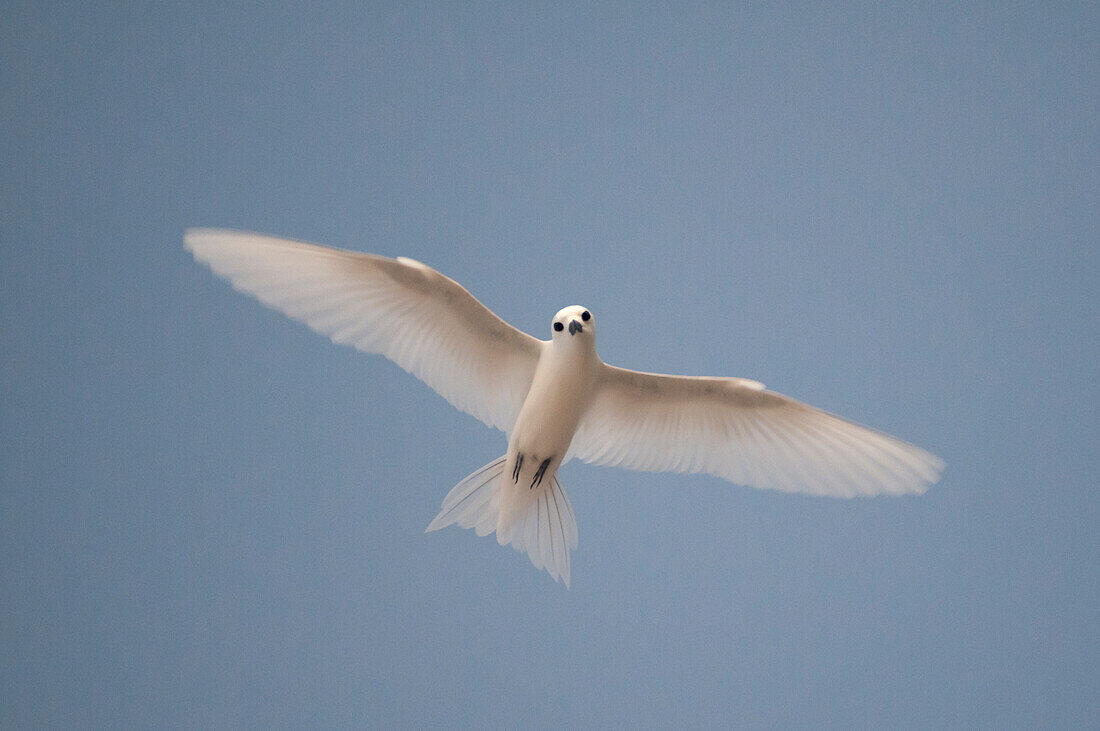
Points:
(573, 324)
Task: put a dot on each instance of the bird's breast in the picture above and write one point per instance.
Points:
(558, 397)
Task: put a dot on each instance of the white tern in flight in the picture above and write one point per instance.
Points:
(555, 399)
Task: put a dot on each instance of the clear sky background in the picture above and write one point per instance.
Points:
(211, 516)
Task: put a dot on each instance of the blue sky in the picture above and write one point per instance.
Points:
(211, 516)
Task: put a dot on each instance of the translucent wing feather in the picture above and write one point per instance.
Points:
(418, 318)
(734, 429)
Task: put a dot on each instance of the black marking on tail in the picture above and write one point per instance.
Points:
(539, 474)
(516, 469)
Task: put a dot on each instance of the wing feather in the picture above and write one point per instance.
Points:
(735, 429)
(423, 321)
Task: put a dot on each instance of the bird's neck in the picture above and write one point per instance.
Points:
(573, 354)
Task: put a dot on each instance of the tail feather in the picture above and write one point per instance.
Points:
(467, 500)
(546, 532)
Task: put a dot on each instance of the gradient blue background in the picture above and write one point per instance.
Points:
(211, 516)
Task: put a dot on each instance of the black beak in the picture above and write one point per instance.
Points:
(575, 327)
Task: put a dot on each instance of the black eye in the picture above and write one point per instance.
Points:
(558, 326)
(585, 316)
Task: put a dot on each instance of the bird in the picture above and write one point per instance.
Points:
(555, 399)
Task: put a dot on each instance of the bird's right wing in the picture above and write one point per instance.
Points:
(418, 318)
(734, 428)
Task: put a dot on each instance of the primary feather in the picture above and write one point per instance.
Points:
(734, 429)
(410, 313)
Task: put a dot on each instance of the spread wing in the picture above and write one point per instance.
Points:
(418, 318)
(733, 428)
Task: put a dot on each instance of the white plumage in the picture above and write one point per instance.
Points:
(556, 399)
(412, 314)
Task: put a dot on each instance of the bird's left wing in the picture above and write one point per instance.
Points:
(423, 321)
(735, 429)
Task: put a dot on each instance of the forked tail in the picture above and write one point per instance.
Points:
(547, 531)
